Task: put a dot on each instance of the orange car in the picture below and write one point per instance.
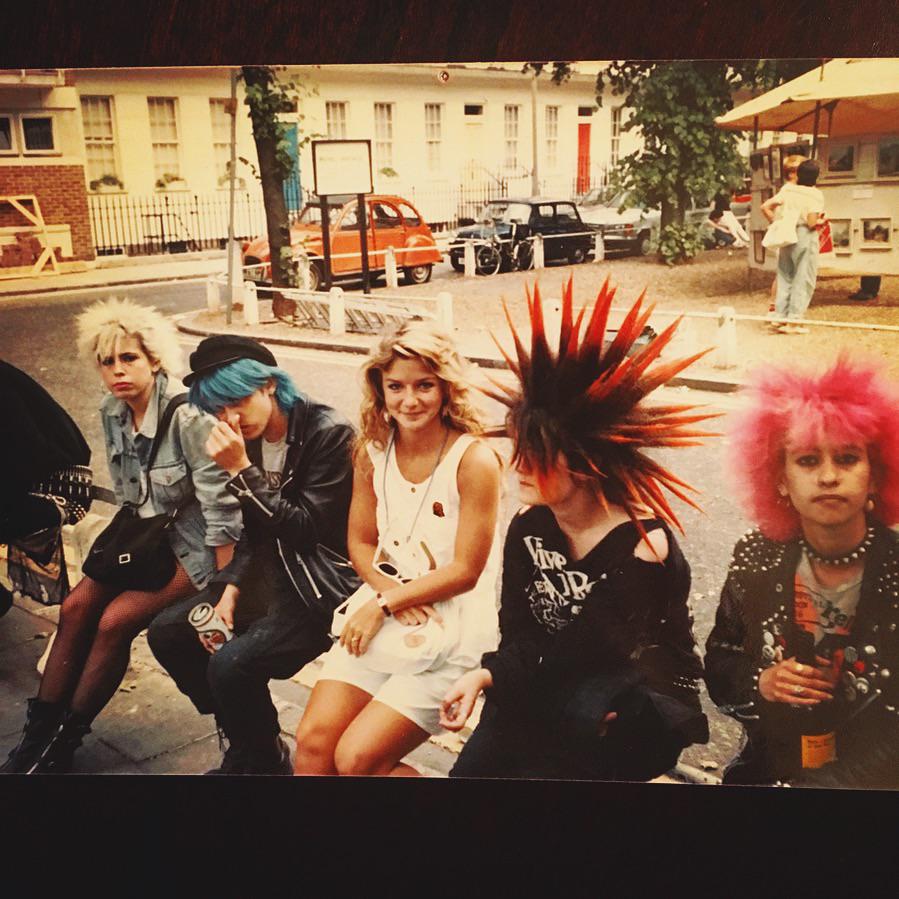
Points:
(392, 222)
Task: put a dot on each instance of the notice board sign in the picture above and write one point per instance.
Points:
(342, 167)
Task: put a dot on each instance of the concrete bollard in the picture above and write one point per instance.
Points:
(445, 310)
(336, 312)
(250, 304)
(390, 267)
(599, 247)
(213, 304)
(469, 259)
(684, 342)
(538, 251)
(725, 354)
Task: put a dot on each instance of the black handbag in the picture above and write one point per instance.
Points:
(134, 553)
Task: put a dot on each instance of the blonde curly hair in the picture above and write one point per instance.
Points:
(104, 323)
(437, 350)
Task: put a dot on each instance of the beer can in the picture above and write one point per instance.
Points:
(209, 624)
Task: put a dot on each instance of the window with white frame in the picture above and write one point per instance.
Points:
(433, 134)
(383, 135)
(99, 138)
(221, 136)
(7, 136)
(616, 135)
(552, 136)
(335, 119)
(510, 134)
(164, 134)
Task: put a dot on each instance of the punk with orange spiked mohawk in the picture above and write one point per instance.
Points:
(585, 402)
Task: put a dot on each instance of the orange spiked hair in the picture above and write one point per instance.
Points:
(585, 401)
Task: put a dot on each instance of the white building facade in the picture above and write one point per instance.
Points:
(154, 143)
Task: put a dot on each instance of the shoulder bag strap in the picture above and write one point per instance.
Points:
(161, 429)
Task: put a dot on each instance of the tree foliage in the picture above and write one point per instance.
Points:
(269, 98)
(684, 156)
(560, 73)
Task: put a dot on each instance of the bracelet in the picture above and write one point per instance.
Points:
(382, 603)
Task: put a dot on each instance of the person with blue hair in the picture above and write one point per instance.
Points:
(289, 461)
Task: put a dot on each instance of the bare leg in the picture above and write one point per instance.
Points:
(332, 707)
(375, 742)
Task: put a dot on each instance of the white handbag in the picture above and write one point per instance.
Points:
(781, 233)
(400, 648)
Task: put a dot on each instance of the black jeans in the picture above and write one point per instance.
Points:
(276, 634)
(638, 746)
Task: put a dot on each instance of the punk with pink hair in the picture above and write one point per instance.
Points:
(849, 402)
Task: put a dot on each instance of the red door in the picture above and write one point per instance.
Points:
(583, 157)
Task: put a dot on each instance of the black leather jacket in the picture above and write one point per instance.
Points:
(307, 517)
(757, 603)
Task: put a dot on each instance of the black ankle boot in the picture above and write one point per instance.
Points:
(57, 756)
(5, 600)
(269, 757)
(41, 722)
(234, 757)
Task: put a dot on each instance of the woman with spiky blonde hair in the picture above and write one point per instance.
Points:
(596, 675)
(135, 350)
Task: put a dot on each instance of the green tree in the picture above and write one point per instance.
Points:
(269, 98)
(673, 105)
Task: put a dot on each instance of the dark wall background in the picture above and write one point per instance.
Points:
(69, 33)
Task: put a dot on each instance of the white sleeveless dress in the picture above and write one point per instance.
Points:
(417, 529)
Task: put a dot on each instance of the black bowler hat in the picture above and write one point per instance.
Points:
(220, 349)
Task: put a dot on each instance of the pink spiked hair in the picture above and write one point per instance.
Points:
(849, 402)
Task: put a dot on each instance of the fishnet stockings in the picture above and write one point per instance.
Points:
(92, 647)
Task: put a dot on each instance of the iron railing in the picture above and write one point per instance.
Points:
(170, 222)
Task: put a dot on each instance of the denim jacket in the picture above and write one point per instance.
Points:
(182, 469)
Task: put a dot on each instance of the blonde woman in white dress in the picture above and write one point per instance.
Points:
(423, 537)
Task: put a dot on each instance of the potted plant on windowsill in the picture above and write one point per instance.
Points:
(168, 181)
(107, 184)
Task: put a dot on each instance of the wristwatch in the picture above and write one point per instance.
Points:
(379, 599)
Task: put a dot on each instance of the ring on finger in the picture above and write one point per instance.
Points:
(798, 690)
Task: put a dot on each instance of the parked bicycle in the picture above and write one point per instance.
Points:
(514, 254)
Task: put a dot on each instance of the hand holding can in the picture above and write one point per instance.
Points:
(212, 631)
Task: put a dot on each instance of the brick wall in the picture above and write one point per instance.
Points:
(61, 191)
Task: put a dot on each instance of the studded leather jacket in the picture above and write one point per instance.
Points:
(756, 616)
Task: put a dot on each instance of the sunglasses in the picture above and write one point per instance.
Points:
(388, 569)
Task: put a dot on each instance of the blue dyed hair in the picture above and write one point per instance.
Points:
(231, 383)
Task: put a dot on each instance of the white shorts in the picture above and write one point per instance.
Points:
(417, 697)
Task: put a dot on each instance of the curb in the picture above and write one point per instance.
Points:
(106, 284)
(717, 385)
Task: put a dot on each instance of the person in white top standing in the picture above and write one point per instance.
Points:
(797, 264)
(423, 537)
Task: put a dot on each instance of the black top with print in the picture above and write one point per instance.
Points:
(563, 620)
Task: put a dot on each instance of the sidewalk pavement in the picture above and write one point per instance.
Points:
(115, 271)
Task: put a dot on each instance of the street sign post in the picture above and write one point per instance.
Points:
(343, 167)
